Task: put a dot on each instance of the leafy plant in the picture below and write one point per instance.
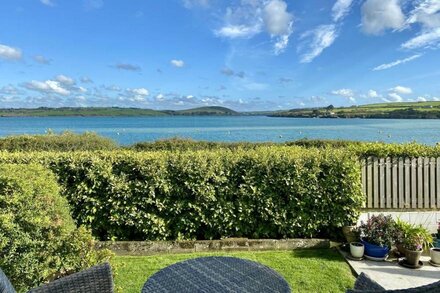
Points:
(379, 230)
(268, 192)
(412, 237)
(66, 141)
(38, 238)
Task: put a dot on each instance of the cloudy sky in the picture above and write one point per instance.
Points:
(243, 54)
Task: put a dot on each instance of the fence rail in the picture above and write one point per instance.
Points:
(401, 183)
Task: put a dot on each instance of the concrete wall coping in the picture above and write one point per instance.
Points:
(190, 246)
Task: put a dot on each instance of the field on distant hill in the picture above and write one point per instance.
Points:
(408, 110)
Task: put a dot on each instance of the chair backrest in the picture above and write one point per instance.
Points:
(5, 284)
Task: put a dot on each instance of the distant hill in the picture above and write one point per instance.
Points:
(404, 110)
(114, 111)
(209, 111)
(83, 111)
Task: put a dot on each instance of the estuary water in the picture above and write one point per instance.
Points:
(128, 130)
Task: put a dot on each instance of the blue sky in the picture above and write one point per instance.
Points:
(242, 54)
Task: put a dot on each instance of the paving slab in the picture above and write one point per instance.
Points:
(390, 275)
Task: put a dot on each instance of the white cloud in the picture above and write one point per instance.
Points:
(426, 39)
(47, 2)
(421, 99)
(278, 22)
(10, 53)
(281, 45)
(393, 97)
(340, 9)
(42, 60)
(395, 63)
(373, 94)
(127, 66)
(276, 18)
(346, 93)
(177, 63)
(140, 91)
(251, 17)
(48, 86)
(65, 79)
(238, 31)
(401, 90)
(320, 38)
(380, 15)
(160, 98)
(86, 79)
(426, 13)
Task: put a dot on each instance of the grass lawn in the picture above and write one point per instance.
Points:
(322, 270)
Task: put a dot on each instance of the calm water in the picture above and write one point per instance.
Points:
(127, 130)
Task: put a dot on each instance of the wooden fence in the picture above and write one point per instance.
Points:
(401, 183)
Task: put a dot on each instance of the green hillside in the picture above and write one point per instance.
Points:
(211, 111)
(113, 111)
(406, 110)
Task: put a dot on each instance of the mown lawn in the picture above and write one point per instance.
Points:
(322, 270)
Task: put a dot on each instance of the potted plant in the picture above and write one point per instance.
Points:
(416, 239)
(377, 235)
(435, 255)
(438, 230)
(349, 231)
(402, 228)
(413, 250)
(357, 249)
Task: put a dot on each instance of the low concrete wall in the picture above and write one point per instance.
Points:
(428, 219)
(232, 244)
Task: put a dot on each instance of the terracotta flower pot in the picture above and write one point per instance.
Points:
(413, 257)
(357, 249)
(400, 248)
(350, 236)
(435, 255)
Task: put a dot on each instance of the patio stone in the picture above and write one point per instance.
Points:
(390, 275)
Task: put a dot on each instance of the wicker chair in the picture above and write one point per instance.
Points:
(365, 285)
(97, 279)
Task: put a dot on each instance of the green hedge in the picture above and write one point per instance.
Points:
(184, 144)
(66, 141)
(268, 192)
(38, 238)
(361, 149)
(375, 149)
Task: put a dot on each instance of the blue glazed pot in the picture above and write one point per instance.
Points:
(375, 250)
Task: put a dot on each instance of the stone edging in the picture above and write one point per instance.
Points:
(230, 244)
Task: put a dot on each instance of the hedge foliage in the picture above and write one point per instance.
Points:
(375, 149)
(361, 149)
(66, 141)
(38, 238)
(185, 144)
(268, 192)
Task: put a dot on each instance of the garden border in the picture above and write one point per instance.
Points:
(138, 248)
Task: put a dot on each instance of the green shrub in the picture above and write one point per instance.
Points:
(361, 149)
(268, 192)
(38, 238)
(66, 141)
(184, 144)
